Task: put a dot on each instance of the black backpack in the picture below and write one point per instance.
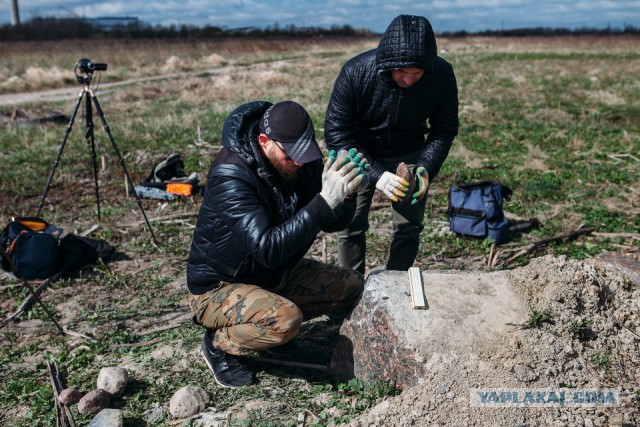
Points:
(36, 249)
(32, 245)
(166, 169)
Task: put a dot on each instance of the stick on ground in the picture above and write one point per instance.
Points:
(539, 243)
(293, 364)
(64, 418)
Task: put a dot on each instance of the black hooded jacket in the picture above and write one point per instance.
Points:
(251, 228)
(370, 112)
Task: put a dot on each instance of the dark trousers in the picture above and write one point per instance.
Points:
(407, 224)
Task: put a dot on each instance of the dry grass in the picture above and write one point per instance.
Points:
(558, 44)
(30, 66)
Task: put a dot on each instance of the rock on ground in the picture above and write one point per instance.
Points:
(591, 341)
(113, 380)
(94, 402)
(188, 401)
(108, 418)
(70, 396)
(385, 338)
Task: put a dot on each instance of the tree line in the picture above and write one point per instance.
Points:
(75, 28)
(546, 31)
(44, 28)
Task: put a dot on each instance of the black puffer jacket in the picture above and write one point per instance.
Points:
(251, 229)
(368, 111)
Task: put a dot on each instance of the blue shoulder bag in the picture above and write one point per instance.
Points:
(475, 210)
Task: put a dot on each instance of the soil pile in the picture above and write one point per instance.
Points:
(583, 332)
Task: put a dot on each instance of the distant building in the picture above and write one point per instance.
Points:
(108, 23)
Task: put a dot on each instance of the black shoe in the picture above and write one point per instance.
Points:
(226, 368)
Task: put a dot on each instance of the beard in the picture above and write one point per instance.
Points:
(289, 178)
(288, 173)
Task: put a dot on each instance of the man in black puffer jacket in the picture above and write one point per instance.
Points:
(266, 199)
(397, 103)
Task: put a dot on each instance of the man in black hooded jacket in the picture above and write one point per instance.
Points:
(397, 103)
(266, 199)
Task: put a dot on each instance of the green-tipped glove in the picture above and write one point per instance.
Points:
(422, 184)
(340, 179)
(353, 155)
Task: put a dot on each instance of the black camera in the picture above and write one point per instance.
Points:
(87, 66)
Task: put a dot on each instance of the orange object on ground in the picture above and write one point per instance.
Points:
(33, 225)
(180, 189)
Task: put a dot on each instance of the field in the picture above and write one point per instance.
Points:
(555, 119)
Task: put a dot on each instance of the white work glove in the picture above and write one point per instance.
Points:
(353, 155)
(339, 180)
(392, 186)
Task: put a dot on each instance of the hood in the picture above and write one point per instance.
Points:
(409, 41)
(240, 131)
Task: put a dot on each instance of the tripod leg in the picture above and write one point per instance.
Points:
(62, 144)
(89, 137)
(31, 290)
(124, 167)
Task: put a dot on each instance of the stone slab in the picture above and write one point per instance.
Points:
(385, 338)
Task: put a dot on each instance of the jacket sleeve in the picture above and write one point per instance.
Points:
(443, 127)
(341, 118)
(344, 213)
(236, 201)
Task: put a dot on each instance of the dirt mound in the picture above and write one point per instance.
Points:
(582, 333)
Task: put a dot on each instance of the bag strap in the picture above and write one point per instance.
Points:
(4, 243)
(464, 211)
(506, 191)
(466, 186)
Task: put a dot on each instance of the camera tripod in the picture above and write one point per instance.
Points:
(84, 69)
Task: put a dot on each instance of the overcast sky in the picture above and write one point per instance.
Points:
(445, 15)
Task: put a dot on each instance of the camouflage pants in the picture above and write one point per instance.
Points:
(247, 318)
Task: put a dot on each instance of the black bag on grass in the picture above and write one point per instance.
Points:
(475, 210)
(166, 169)
(37, 250)
(32, 244)
(77, 251)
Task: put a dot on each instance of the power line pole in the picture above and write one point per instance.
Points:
(15, 15)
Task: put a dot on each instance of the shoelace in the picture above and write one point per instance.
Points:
(234, 371)
(233, 366)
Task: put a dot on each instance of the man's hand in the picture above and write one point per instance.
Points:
(392, 186)
(422, 184)
(340, 179)
(363, 168)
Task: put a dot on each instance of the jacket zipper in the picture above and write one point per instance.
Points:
(395, 120)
